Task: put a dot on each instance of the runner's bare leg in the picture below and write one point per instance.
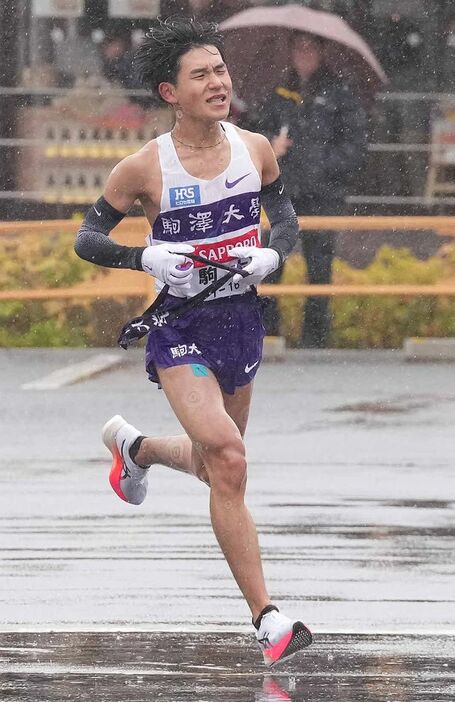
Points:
(216, 438)
(177, 451)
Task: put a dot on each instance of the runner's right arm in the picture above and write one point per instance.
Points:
(94, 244)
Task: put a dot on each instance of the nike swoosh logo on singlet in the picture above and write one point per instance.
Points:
(233, 183)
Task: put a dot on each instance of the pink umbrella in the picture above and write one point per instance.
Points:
(258, 51)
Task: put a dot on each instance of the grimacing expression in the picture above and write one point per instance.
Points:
(203, 87)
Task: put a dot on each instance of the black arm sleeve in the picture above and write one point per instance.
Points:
(93, 243)
(284, 226)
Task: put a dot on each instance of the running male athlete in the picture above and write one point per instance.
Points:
(201, 187)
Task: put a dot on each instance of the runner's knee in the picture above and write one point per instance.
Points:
(226, 466)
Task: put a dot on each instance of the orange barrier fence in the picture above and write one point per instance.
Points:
(132, 231)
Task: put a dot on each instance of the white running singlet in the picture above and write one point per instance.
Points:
(212, 215)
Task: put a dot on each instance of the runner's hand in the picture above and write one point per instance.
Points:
(262, 263)
(162, 262)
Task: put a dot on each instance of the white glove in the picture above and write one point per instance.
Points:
(160, 262)
(262, 262)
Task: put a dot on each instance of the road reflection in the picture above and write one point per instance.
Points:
(222, 667)
(273, 691)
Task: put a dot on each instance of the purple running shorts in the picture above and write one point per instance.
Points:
(224, 335)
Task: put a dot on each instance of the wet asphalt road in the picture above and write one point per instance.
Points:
(208, 668)
(352, 486)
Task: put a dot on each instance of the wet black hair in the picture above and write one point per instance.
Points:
(157, 60)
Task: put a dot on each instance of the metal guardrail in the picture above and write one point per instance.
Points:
(133, 229)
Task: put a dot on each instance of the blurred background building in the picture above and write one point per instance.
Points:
(71, 107)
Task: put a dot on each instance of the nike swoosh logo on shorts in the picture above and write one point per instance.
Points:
(233, 183)
(250, 368)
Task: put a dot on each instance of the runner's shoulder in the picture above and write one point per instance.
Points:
(138, 166)
(254, 140)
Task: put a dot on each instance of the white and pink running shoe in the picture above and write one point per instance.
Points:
(280, 638)
(127, 479)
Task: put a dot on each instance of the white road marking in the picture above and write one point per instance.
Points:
(24, 649)
(75, 372)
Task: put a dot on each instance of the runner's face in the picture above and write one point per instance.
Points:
(203, 88)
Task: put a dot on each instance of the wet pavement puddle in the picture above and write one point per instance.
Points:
(211, 667)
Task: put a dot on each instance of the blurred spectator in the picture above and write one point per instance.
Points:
(116, 58)
(401, 49)
(199, 6)
(75, 56)
(318, 131)
(217, 10)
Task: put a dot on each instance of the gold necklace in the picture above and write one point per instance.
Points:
(190, 146)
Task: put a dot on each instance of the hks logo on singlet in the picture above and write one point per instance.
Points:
(185, 195)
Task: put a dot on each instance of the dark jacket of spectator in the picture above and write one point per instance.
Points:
(328, 127)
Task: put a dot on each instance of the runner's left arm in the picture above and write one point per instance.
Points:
(284, 226)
